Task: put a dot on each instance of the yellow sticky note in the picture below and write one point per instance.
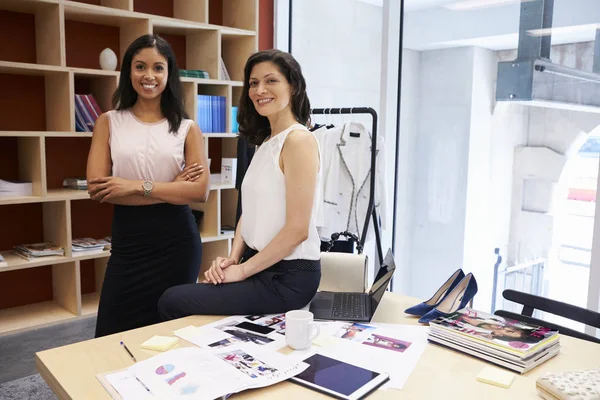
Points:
(324, 340)
(496, 377)
(159, 343)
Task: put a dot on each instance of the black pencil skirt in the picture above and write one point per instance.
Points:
(154, 248)
(287, 285)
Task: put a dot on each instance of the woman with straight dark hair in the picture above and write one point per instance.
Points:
(147, 159)
(274, 264)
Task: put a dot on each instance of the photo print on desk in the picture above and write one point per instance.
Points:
(354, 332)
(238, 335)
(387, 343)
(246, 363)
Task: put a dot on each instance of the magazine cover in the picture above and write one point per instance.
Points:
(504, 332)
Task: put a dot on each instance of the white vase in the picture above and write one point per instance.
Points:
(108, 60)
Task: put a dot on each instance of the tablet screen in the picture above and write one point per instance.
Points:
(335, 375)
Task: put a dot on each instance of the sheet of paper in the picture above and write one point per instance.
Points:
(391, 348)
(128, 386)
(196, 373)
(236, 336)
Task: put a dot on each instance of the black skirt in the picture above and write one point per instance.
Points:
(154, 248)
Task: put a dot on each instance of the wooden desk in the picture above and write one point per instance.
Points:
(71, 370)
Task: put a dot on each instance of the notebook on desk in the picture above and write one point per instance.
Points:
(354, 306)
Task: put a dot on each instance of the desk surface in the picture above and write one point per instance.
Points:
(441, 373)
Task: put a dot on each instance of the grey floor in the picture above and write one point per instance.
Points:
(19, 379)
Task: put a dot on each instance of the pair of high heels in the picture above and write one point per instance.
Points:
(452, 296)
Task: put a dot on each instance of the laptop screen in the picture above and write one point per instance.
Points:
(384, 276)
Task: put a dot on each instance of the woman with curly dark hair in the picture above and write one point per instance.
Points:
(274, 263)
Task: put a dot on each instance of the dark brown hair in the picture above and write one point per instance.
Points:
(253, 126)
(171, 100)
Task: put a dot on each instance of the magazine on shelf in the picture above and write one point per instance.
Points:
(89, 245)
(34, 250)
(3, 262)
(513, 336)
(14, 188)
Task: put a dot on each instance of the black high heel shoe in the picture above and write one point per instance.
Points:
(426, 306)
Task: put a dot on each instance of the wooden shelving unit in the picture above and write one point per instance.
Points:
(54, 57)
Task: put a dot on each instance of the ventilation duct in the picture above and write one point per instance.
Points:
(532, 79)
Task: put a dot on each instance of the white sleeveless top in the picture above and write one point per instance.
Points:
(146, 150)
(263, 200)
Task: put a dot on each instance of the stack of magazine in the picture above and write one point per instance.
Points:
(90, 245)
(505, 342)
(34, 251)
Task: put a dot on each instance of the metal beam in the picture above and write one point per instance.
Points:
(536, 16)
(597, 53)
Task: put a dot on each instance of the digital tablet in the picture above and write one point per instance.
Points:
(339, 379)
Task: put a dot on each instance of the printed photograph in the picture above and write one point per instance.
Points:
(238, 335)
(355, 332)
(279, 327)
(254, 317)
(246, 363)
(387, 343)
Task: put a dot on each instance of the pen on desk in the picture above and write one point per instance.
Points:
(123, 344)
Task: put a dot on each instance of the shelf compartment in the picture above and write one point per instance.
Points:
(21, 159)
(92, 277)
(194, 48)
(66, 157)
(190, 98)
(21, 106)
(235, 52)
(39, 26)
(210, 251)
(190, 10)
(229, 200)
(118, 4)
(222, 90)
(111, 30)
(241, 14)
(39, 296)
(209, 224)
(219, 148)
(90, 218)
(101, 86)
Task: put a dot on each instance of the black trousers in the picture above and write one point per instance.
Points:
(285, 286)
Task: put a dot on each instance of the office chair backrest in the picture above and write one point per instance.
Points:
(532, 302)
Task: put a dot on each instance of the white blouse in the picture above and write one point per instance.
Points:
(264, 200)
(146, 150)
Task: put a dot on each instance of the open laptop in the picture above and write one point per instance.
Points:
(357, 306)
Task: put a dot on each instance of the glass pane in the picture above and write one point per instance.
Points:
(499, 115)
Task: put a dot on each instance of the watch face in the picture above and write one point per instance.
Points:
(147, 185)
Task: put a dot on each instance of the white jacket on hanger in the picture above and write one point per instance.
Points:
(346, 155)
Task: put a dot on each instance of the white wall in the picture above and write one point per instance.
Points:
(406, 169)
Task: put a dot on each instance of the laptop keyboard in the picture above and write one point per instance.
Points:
(349, 306)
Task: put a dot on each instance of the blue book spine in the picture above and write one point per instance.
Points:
(223, 114)
(234, 123)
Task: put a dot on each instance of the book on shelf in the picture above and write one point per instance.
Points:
(3, 262)
(211, 113)
(87, 111)
(75, 183)
(15, 188)
(234, 123)
(32, 251)
(194, 73)
(505, 342)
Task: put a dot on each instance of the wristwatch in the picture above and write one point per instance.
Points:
(147, 186)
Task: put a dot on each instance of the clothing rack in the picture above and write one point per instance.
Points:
(371, 212)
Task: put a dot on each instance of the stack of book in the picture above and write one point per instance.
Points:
(75, 183)
(505, 342)
(87, 111)
(194, 73)
(9, 188)
(89, 246)
(33, 251)
(211, 113)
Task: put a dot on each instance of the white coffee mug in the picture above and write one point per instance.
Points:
(300, 330)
